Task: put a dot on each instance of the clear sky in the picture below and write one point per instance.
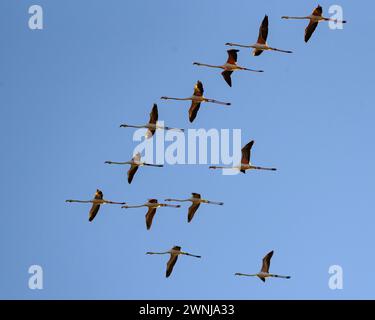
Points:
(65, 89)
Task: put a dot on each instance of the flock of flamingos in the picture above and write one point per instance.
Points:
(196, 99)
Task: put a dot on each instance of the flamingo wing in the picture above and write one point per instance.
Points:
(266, 262)
(131, 172)
(263, 31)
(310, 30)
(232, 56)
(149, 217)
(170, 264)
(198, 89)
(227, 77)
(192, 210)
(193, 111)
(154, 115)
(246, 152)
(93, 211)
(95, 207)
(318, 11)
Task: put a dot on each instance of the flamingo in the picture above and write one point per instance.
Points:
(152, 124)
(264, 272)
(315, 18)
(96, 202)
(261, 45)
(196, 100)
(245, 161)
(174, 252)
(196, 201)
(229, 66)
(152, 205)
(135, 163)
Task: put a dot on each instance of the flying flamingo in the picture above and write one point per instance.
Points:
(245, 161)
(261, 44)
(152, 124)
(196, 201)
(196, 100)
(315, 18)
(152, 205)
(96, 202)
(229, 66)
(135, 163)
(174, 252)
(264, 272)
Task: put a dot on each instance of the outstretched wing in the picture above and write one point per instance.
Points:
(154, 115)
(263, 31)
(193, 111)
(131, 172)
(192, 209)
(232, 56)
(226, 75)
(93, 211)
(198, 89)
(267, 262)
(149, 217)
(95, 207)
(310, 30)
(257, 52)
(170, 264)
(246, 152)
(318, 11)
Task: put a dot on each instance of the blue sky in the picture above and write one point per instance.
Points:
(64, 91)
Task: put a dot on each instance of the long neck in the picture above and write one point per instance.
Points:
(263, 168)
(189, 254)
(214, 202)
(247, 69)
(153, 165)
(217, 102)
(246, 275)
(178, 200)
(280, 50)
(172, 129)
(169, 205)
(278, 276)
(112, 202)
(334, 20)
